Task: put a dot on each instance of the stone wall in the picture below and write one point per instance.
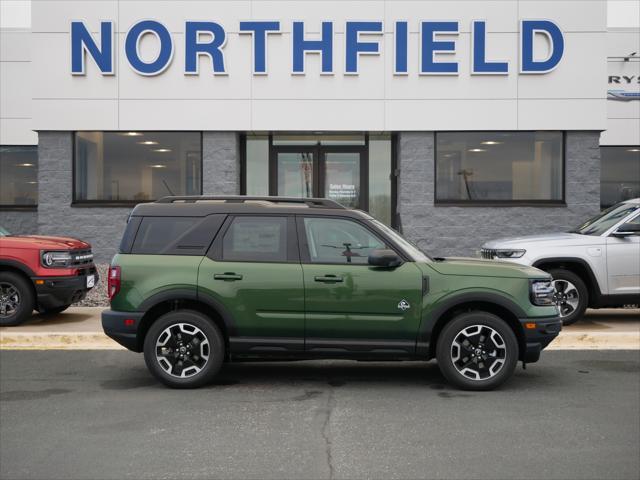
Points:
(19, 222)
(461, 231)
(221, 163)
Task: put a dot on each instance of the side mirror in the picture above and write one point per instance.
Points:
(627, 229)
(384, 258)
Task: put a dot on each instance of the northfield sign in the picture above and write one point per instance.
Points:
(205, 38)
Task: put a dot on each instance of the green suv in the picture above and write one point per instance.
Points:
(203, 280)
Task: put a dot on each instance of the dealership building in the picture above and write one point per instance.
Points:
(455, 122)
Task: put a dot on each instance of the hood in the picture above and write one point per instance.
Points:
(43, 242)
(485, 268)
(559, 239)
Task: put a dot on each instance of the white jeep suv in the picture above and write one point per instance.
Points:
(597, 265)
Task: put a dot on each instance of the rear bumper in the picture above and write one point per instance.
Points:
(123, 328)
(53, 292)
(538, 333)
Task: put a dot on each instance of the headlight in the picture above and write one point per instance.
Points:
(542, 292)
(56, 259)
(505, 253)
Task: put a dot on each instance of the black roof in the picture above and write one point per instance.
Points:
(200, 206)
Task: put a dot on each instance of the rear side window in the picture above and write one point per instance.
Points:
(258, 239)
(176, 235)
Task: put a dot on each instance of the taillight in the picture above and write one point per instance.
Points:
(113, 282)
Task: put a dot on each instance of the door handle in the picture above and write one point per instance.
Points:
(228, 276)
(329, 279)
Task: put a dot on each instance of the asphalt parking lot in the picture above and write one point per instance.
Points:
(98, 414)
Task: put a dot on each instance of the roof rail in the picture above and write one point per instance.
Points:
(310, 202)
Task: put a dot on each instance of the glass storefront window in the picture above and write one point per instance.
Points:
(18, 176)
(619, 174)
(256, 171)
(136, 166)
(499, 167)
(380, 177)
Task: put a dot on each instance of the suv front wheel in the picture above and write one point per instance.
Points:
(184, 349)
(477, 351)
(571, 295)
(16, 299)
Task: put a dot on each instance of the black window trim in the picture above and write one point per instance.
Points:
(122, 203)
(499, 203)
(16, 207)
(293, 252)
(305, 257)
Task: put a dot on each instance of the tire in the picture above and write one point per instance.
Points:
(16, 299)
(54, 311)
(184, 332)
(458, 363)
(567, 285)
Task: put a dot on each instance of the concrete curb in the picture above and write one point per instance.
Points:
(568, 340)
(57, 341)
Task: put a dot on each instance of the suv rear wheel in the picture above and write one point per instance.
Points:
(571, 295)
(477, 351)
(16, 299)
(184, 349)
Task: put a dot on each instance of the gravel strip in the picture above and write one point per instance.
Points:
(97, 296)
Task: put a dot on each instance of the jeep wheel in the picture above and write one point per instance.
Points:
(16, 299)
(184, 349)
(477, 351)
(571, 295)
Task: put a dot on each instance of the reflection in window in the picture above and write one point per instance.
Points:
(256, 239)
(499, 166)
(136, 166)
(332, 240)
(619, 174)
(18, 175)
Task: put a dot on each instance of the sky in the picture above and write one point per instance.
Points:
(620, 13)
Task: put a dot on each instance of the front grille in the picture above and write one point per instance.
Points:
(81, 257)
(488, 253)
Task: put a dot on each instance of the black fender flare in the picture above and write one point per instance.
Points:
(193, 295)
(430, 320)
(18, 266)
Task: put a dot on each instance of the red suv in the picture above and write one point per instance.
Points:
(43, 273)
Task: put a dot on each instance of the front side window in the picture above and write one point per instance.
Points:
(333, 240)
(136, 166)
(619, 174)
(18, 176)
(256, 239)
(476, 167)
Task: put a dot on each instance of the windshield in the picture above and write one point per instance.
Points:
(606, 219)
(416, 254)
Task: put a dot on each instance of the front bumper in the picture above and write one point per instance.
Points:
(538, 334)
(123, 328)
(53, 292)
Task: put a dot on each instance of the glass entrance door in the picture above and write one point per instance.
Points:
(295, 173)
(341, 178)
(334, 172)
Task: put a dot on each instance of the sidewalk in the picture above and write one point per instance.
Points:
(79, 328)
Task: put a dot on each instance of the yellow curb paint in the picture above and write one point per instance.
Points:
(99, 341)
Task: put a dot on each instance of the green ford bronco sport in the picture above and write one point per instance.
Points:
(203, 280)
